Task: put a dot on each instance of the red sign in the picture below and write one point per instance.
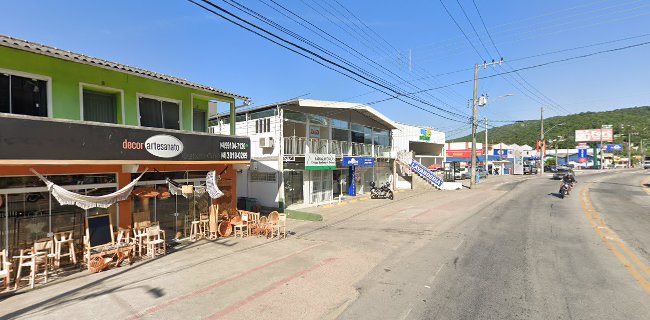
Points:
(594, 135)
(464, 153)
(582, 160)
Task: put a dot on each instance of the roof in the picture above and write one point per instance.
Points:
(309, 106)
(42, 49)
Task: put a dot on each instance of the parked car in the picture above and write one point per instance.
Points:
(560, 172)
(460, 174)
(530, 169)
(481, 172)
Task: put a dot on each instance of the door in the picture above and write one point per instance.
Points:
(293, 187)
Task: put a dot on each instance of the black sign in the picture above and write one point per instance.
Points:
(30, 138)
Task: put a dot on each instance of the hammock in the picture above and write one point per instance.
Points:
(211, 185)
(175, 188)
(67, 197)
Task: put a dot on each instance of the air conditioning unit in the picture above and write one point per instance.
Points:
(266, 142)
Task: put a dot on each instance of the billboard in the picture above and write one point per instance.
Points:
(594, 135)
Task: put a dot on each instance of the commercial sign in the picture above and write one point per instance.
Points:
(594, 135)
(582, 155)
(358, 161)
(314, 132)
(320, 161)
(612, 147)
(426, 174)
(518, 166)
(504, 153)
(43, 139)
(425, 134)
(464, 153)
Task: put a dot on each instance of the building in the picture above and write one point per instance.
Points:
(427, 146)
(92, 126)
(310, 152)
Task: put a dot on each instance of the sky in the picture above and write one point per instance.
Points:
(403, 46)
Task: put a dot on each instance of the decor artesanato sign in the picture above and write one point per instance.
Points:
(164, 146)
(320, 161)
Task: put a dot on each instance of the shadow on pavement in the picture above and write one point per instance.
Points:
(557, 195)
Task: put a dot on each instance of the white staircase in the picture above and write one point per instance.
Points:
(406, 159)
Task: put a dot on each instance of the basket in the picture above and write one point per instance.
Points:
(98, 264)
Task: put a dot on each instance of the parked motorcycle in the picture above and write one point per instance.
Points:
(383, 192)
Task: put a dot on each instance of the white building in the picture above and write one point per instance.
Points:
(427, 145)
(288, 138)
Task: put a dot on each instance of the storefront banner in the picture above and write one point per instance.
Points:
(358, 161)
(518, 166)
(464, 153)
(426, 174)
(352, 187)
(595, 135)
(32, 138)
(320, 161)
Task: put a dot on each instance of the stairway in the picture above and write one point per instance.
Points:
(406, 159)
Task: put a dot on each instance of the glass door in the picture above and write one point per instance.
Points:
(293, 187)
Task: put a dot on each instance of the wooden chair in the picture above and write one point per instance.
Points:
(273, 220)
(139, 239)
(5, 268)
(62, 239)
(155, 241)
(37, 257)
(280, 228)
(263, 227)
(242, 226)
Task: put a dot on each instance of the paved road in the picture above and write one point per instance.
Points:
(508, 249)
(530, 255)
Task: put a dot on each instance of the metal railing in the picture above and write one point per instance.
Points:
(294, 145)
(300, 146)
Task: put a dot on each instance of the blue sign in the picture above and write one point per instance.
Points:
(358, 161)
(352, 186)
(502, 152)
(612, 147)
(582, 153)
(425, 173)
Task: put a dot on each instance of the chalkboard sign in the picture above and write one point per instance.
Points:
(99, 230)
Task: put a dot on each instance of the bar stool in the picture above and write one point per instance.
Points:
(195, 231)
(204, 222)
(62, 239)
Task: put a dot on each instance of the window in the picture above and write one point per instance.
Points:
(296, 116)
(357, 137)
(20, 95)
(159, 114)
(367, 135)
(240, 117)
(262, 114)
(340, 124)
(262, 176)
(317, 120)
(381, 137)
(263, 125)
(340, 135)
(199, 120)
(99, 107)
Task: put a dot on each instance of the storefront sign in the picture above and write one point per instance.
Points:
(358, 161)
(595, 135)
(31, 138)
(425, 134)
(352, 187)
(314, 132)
(320, 161)
(464, 153)
(426, 174)
(518, 166)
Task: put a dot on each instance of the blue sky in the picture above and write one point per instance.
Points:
(178, 38)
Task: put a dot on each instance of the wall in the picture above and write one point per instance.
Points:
(266, 193)
(67, 75)
(407, 133)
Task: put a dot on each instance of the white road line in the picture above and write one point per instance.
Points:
(458, 245)
(407, 312)
(433, 278)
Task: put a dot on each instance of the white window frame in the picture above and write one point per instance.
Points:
(83, 86)
(207, 112)
(48, 80)
(179, 102)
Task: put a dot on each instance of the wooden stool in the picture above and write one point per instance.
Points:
(195, 231)
(204, 222)
(62, 239)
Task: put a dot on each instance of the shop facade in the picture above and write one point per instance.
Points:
(92, 127)
(287, 137)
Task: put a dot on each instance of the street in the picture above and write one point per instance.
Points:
(509, 249)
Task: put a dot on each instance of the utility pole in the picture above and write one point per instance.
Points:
(629, 149)
(543, 146)
(601, 147)
(472, 180)
(486, 145)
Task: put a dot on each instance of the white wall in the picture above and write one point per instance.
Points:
(406, 133)
(265, 192)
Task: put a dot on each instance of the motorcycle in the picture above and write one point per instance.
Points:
(564, 189)
(383, 192)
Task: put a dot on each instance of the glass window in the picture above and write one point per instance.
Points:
(199, 120)
(367, 135)
(240, 117)
(340, 134)
(357, 137)
(381, 137)
(159, 114)
(20, 95)
(340, 124)
(262, 114)
(99, 107)
(356, 127)
(225, 120)
(317, 120)
(296, 116)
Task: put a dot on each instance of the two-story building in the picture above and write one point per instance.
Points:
(303, 151)
(92, 126)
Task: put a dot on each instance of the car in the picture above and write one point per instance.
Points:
(560, 172)
(530, 169)
(459, 174)
(481, 173)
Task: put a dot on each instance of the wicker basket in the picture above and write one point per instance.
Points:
(98, 264)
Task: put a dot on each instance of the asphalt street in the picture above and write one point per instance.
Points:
(508, 249)
(530, 255)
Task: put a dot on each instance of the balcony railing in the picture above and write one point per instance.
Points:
(299, 146)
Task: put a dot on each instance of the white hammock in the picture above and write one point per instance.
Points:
(67, 197)
(211, 185)
(175, 188)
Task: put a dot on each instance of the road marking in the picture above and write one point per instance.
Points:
(612, 240)
(164, 305)
(458, 245)
(233, 307)
(433, 278)
(407, 312)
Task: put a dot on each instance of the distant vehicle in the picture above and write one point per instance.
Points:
(646, 163)
(560, 172)
(481, 173)
(530, 169)
(460, 174)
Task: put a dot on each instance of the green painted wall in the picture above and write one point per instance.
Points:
(67, 75)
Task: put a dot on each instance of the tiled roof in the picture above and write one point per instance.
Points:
(80, 58)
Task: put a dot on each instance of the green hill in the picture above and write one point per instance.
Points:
(634, 120)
